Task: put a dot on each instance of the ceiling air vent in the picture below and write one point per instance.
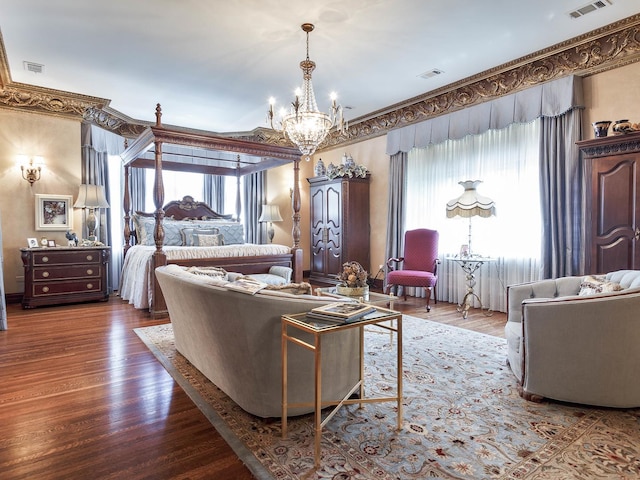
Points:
(588, 8)
(431, 73)
(33, 67)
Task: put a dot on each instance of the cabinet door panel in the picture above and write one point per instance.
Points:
(615, 214)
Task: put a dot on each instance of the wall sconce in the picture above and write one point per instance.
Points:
(270, 213)
(31, 168)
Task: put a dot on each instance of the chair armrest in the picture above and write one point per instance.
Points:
(394, 259)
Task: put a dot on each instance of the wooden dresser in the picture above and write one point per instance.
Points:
(57, 275)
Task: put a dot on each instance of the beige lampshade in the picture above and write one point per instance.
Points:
(91, 196)
(470, 203)
(270, 213)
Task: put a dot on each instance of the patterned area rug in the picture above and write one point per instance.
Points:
(463, 419)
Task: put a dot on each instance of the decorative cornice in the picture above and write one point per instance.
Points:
(609, 47)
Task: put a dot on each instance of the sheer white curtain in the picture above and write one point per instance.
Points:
(507, 163)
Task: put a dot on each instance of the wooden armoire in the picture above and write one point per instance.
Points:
(339, 225)
(612, 187)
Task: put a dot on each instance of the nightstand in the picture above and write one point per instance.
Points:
(57, 275)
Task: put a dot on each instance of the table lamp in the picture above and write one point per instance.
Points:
(270, 213)
(91, 197)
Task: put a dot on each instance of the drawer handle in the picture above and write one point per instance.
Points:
(89, 271)
(45, 259)
(89, 258)
(45, 274)
(89, 286)
(45, 289)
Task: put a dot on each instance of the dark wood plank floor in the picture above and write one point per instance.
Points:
(82, 397)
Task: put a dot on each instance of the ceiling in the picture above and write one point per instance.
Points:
(213, 64)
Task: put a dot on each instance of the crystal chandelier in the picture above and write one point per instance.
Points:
(304, 124)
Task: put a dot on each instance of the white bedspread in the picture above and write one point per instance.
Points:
(136, 282)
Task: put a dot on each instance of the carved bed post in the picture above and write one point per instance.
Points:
(126, 205)
(295, 204)
(238, 198)
(159, 258)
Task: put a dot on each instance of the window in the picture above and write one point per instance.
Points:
(507, 163)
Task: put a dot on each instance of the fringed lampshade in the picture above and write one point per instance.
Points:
(470, 204)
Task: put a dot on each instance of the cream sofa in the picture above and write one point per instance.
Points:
(576, 348)
(234, 339)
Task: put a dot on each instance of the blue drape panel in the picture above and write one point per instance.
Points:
(213, 192)
(397, 200)
(561, 190)
(254, 197)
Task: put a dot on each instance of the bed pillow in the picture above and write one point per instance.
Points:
(233, 232)
(204, 240)
(597, 284)
(188, 235)
(145, 226)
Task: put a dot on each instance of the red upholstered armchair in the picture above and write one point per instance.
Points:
(419, 264)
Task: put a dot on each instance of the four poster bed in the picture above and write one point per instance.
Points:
(190, 233)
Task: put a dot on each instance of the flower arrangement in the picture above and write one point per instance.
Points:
(353, 275)
(348, 170)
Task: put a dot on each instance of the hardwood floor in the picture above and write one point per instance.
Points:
(82, 397)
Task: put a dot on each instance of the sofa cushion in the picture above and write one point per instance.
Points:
(626, 278)
(597, 284)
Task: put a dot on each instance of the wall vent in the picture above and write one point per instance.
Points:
(33, 67)
(590, 7)
(431, 73)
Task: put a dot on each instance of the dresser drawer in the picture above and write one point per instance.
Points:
(68, 273)
(66, 287)
(52, 257)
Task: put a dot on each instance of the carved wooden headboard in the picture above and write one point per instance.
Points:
(188, 209)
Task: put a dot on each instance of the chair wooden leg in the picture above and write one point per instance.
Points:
(428, 292)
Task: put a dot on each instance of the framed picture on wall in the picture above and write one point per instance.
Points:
(54, 212)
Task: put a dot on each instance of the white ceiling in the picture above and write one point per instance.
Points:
(213, 64)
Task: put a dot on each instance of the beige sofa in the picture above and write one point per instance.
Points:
(576, 348)
(234, 339)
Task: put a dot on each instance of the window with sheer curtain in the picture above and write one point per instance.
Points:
(507, 163)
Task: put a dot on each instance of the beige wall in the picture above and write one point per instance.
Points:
(58, 142)
(612, 95)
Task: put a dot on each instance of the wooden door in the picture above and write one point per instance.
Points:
(615, 204)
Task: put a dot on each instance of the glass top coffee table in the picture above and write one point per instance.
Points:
(372, 298)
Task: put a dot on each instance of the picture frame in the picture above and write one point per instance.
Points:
(51, 243)
(54, 212)
(32, 242)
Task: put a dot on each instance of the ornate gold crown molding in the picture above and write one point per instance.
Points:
(609, 47)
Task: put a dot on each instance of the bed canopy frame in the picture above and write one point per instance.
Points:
(170, 148)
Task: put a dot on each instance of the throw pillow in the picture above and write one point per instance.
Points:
(303, 288)
(208, 271)
(597, 284)
(202, 240)
(188, 239)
